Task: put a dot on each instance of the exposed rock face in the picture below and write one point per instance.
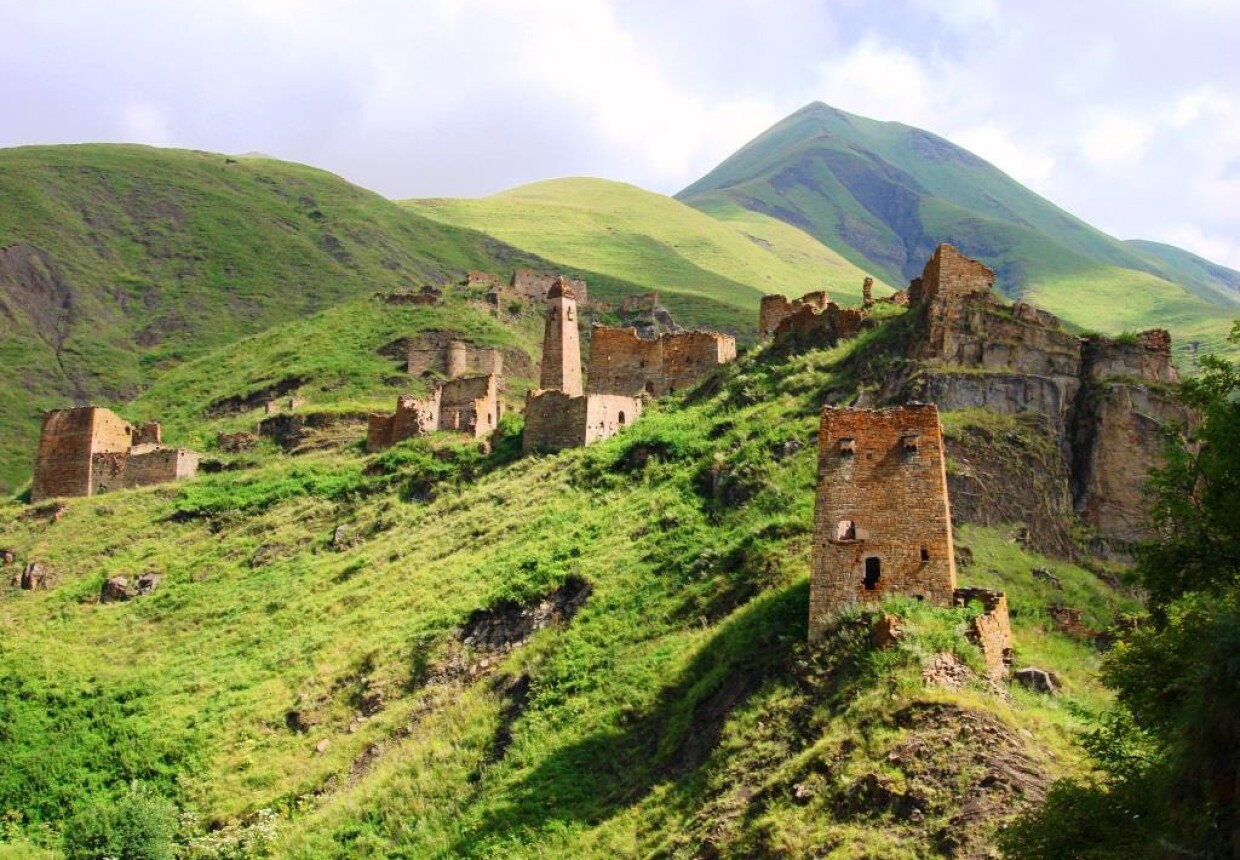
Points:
(33, 576)
(1106, 401)
(147, 583)
(1037, 680)
(509, 624)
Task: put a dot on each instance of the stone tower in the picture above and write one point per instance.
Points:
(881, 518)
(561, 363)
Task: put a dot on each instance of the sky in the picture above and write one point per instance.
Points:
(1124, 112)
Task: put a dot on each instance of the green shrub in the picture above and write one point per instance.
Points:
(135, 826)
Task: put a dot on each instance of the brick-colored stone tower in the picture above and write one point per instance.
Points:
(561, 361)
(881, 519)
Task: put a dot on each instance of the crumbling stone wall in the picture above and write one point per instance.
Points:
(882, 524)
(469, 405)
(623, 363)
(438, 352)
(536, 286)
(142, 466)
(807, 326)
(992, 630)
(774, 309)
(1147, 357)
(90, 449)
(485, 280)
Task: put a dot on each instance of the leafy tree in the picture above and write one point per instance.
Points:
(1167, 758)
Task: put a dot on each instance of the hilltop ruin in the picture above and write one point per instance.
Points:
(467, 404)
(90, 449)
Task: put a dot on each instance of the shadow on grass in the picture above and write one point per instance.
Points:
(589, 781)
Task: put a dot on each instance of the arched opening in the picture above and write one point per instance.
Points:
(873, 572)
(846, 530)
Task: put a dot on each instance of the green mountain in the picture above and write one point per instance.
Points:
(439, 651)
(884, 195)
(658, 243)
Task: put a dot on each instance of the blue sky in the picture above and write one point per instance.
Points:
(1126, 113)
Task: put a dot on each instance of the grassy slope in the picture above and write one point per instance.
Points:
(649, 239)
(159, 256)
(884, 194)
(676, 709)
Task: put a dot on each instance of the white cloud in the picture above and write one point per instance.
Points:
(1024, 161)
(878, 80)
(143, 123)
(1115, 141)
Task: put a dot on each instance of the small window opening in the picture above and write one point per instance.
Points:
(925, 554)
(571, 315)
(873, 572)
(919, 597)
(848, 447)
(846, 530)
(621, 419)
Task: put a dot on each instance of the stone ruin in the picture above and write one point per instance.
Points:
(559, 413)
(90, 449)
(623, 363)
(882, 521)
(466, 404)
(450, 357)
(1105, 401)
(426, 296)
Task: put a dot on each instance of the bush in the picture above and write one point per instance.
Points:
(135, 826)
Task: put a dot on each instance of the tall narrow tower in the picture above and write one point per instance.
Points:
(561, 363)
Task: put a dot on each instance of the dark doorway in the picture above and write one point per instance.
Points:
(873, 572)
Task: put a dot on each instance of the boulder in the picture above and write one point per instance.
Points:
(1044, 574)
(1037, 680)
(7, 557)
(115, 590)
(34, 576)
(148, 582)
(885, 632)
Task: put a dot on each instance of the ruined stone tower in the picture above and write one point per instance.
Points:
(881, 518)
(561, 363)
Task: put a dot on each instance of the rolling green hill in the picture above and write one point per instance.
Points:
(118, 263)
(659, 243)
(339, 661)
(883, 195)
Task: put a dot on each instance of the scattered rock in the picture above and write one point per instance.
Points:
(508, 623)
(1037, 680)
(1044, 574)
(115, 590)
(787, 448)
(946, 670)
(964, 556)
(1020, 535)
(885, 632)
(342, 539)
(7, 557)
(148, 582)
(34, 575)
(1069, 621)
(321, 746)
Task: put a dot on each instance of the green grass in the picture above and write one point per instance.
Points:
(680, 705)
(657, 242)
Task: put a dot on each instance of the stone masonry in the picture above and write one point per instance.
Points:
(452, 358)
(623, 363)
(776, 308)
(90, 449)
(559, 415)
(561, 355)
(882, 523)
(467, 404)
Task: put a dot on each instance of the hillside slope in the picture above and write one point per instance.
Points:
(652, 240)
(120, 262)
(440, 652)
(884, 194)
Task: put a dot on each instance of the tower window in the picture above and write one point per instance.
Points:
(848, 447)
(925, 553)
(846, 530)
(873, 572)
